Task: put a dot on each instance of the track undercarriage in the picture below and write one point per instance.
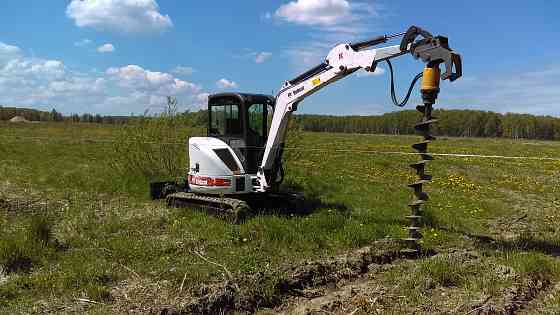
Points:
(237, 208)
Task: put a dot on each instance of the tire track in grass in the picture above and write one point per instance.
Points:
(337, 283)
(314, 275)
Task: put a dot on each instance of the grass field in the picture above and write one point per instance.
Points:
(78, 232)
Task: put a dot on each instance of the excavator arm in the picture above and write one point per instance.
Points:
(342, 61)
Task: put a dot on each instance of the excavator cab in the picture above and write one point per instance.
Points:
(241, 121)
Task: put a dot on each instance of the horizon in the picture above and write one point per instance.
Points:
(112, 57)
(297, 113)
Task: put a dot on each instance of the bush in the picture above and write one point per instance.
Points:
(153, 147)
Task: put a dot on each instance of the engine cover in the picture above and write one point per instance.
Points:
(215, 169)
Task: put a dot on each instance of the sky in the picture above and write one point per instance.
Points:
(120, 57)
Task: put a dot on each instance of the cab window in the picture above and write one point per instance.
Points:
(225, 120)
(257, 119)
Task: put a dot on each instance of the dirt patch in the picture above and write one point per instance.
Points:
(16, 200)
(511, 299)
(369, 293)
(343, 297)
(251, 293)
(143, 296)
(349, 266)
(278, 290)
(355, 282)
(546, 302)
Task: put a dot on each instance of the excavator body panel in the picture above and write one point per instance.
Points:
(226, 161)
(215, 168)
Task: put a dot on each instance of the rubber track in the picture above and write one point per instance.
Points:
(230, 209)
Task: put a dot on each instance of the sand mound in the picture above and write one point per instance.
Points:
(19, 119)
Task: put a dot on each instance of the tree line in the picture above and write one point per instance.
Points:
(455, 123)
(7, 113)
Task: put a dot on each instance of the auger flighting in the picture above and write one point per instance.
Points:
(429, 89)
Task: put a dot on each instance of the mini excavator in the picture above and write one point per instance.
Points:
(240, 160)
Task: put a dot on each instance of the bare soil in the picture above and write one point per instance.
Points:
(352, 283)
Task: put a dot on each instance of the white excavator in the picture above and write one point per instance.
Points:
(240, 160)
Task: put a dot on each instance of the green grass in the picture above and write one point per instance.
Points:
(27, 245)
(101, 229)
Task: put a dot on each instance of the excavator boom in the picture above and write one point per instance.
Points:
(342, 61)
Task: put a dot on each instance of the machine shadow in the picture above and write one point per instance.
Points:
(524, 243)
(289, 203)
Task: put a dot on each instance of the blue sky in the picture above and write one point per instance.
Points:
(125, 56)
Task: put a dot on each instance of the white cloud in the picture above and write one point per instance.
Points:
(330, 22)
(77, 84)
(334, 15)
(160, 83)
(34, 68)
(83, 43)
(6, 49)
(8, 52)
(107, 48)
(127, 16)
(182, 70)
(315, 12)
(201, 100)
(39, 82)
(378, 71)
(44, 84)
(226, 84)
(262, 56)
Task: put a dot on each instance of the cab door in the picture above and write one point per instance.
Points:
(226, 124)
(257, 133)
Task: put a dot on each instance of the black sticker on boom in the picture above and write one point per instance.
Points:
(296, 91)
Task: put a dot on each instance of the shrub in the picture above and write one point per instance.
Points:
(153, 147)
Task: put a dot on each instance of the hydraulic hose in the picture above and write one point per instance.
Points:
(393, 96)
